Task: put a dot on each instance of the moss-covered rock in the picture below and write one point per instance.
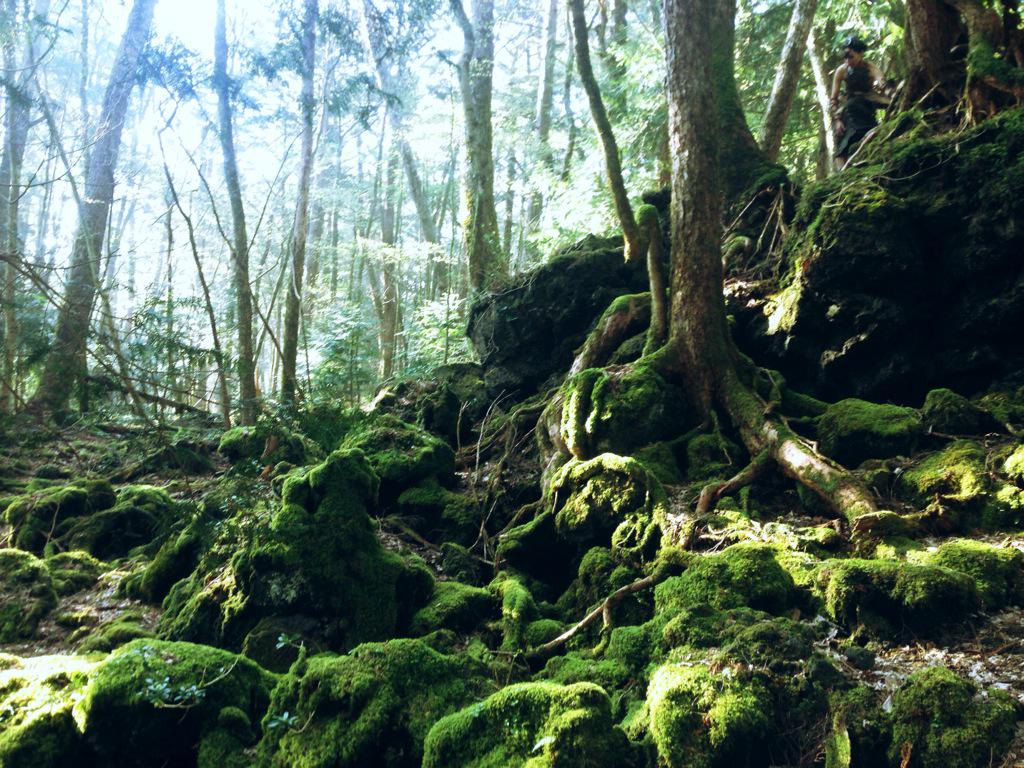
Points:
(608, 499)
(455, 606)
(266, 442)
(27, 594)
(701, 719)
(890, 599)
(316, 555)
(540, 725)
(153, 703)
(957, 471)
(946, 411)
(74, 571)
(743, 575)
(711, 457)
(175, 560)
(373, 706)
(38, 517)
(401, 454)
(439, 512)
(140, 514)
(114, 634)
(998, 572)
(852, 431)
(1014, 464)
(939, 720)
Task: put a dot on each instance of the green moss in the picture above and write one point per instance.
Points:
(853, 431)
(518, 610)
(38, 517)
(250, 443)
(27, 594)
(540, 725)
(74, 571)
(141, 514)
(700, 719)
(660, 461)
(401, 454)
(998, 572)
(371, 707)
(741, 575)
(542, 631)
(454, 606)
(114, 634)
(946, 411)
(711, 457)
(890, 599)
(283, 564)
(608, 499)
(940, 721)
(1014, 464)
(459, 564)
(571, 668)
(434, 509)
(958, 472)
(152, 702)
(176, 559)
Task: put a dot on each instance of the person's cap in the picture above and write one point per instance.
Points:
(854, 43)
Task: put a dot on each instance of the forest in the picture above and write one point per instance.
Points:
(512, 383)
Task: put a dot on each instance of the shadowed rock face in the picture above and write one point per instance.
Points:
(903, 275)
(526, 335)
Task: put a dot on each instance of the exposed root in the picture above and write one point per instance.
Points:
(712, 492)
(602, 611)
(625, 317)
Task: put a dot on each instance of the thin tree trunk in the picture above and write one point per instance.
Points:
(822, 91)
(542, 114)
(388, 292)
(786, 78)
(613, 162)
(293, 309)
(510, 200)
(240, 239)
(488, 266)
(65, 363)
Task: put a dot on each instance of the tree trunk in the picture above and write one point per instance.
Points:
(65, 363)
(542, 115)
(700, 351)
(932, 29)
(488, 266)
(613, 162)
(786, 78)
(240, 239)
(823, 93)
(510, 200)
(300, 227)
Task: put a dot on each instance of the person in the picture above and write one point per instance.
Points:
(863, 83)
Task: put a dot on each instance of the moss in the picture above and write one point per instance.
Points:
(176, 559)
(998, 572)
(741, 575)
(542, 631)
(433, 509)
(250, 443)
(853, 431)
(141, 514)
(890, 599)
(151, 702)
(859, 733)
(1014, 464)
(592, 499)
(940, 721)
(711, 457)
(27, 592)
(38, 517)
(459, 564)
(543, 725)
(373, 706)
(518, 610)
(946, 411)
(74, 571)
(618, 409)
(114, 634)
(700, 719)
(571, 668)
(454, 606)
(660, 461)
(401, 454)
(283, 564)
(958, 472)
(37, 725)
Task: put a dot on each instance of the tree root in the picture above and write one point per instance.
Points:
(712, 492)
(602, 611)
(626, 316)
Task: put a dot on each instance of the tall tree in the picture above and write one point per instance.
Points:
(613, 163)
(786, 78)
(240, 241)
(545, 99)
(488, 265)
(700, 351)
(66, 361)
(300, 226)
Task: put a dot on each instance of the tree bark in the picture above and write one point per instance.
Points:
(65, 363)
(931, 32)
(700, 350)
(488, 266)
(240, 238)
(822, 92)
(542, 114)
(613, 162)
(786, 78)
(300, 227)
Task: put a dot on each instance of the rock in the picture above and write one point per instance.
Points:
(526, 335)
(946, 411)
(27, 594)
(904, 275)
(853, 431)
